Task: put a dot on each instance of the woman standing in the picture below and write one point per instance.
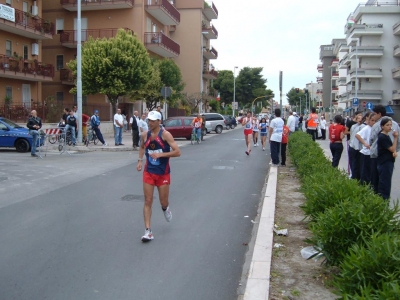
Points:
(336, 135)
(255, 131)
(365, 154)
(354, 148)
(263, 132)
(386, 157)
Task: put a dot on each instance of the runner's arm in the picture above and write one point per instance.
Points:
(176, 152)
(141, 153)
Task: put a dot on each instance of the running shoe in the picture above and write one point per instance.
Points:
(247, 152)
(148, 236)
(168, 214)
(263, 149)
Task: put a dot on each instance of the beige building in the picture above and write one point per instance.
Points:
(23, 67)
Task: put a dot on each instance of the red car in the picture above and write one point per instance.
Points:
(179, 127)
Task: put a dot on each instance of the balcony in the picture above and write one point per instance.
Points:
(363, 95)
(320, 79)
(69, 38)
(396, 28)
(396, 95)
(163, 11)
(160, 44)
(210, 74)
(334, 89)
(210, 11)
(66, 77)
(359, 30)
(335, 62)
(28, 26)
(335, 75)
(319, 91)
(210, 53)
(396, 73)
(30, 70)
(366, 73)
(344, 62)
(90, 5)
(320, 68)
(341, 81)
(396, 51)
(366, 51)
(210, 32)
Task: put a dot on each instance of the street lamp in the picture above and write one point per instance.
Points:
(234, 91)
(253, 103)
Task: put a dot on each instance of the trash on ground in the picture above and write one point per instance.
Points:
(253, 222)
(281, 232)
(277, 245)
(309, 251)
(246, 216)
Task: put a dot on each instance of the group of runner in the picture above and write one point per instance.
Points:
(252, 127)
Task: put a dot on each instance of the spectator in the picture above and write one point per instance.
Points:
(125, 121)
(323, 128)
(95, 123)
(365, 155)
(285, 137)
(275, 136)
(134, 123)
(301, 122)
(354, 148)
(143, 126)
(349, 123)
(72, 124)
(162, 116)
(291, 122)
(118, 125)
(296, 124)
(34, 124)
(312, 123)
(336, 135)
(85, 120)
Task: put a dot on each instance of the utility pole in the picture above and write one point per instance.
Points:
(280, 89)
(79, 71)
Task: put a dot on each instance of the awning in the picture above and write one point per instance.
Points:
(389, 111)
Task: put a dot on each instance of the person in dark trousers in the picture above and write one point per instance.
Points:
(336, 135)
(134, 122)
(285, 139)
(95, 123)
(301, 122)
(349, 123)
(203, 126)
(72, 124)
(312, 124)
(275, 136)
(34, 124)
(386, 157)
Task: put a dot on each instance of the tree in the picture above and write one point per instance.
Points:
(171, 76)
(113, 67)
(194, 101)
(224, 85)
(293, 97)
(249, 85)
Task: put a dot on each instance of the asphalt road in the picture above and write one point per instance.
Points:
(70, 226)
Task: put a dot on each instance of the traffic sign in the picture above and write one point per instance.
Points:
(355, 102)
(235, 105)
(166, 91)
(370, 106)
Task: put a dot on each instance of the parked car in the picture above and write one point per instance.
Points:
(14, 136)
(230, 122)
(179, 127)
(214, 122)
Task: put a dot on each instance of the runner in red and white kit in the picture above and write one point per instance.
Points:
(247, 122)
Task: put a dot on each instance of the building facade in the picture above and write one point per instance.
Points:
(23, 67)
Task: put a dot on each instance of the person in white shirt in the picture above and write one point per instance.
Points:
(291, 122)
(143, 126)
(322, 125)
(275, 136)
(119, 127)
(255, 131)
(363, 137)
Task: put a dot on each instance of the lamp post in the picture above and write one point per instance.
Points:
(253, 104)
(234, 91)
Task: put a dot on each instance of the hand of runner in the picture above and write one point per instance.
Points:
(139, 166)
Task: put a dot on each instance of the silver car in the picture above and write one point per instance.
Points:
(214, 122)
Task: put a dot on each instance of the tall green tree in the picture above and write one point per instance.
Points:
(249, 85)
(171, 76)
(113, 67)
(293, 97)
(224, 85)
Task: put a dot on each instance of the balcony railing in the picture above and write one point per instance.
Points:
(210, 31)
(28, 25)
(396, 28)
(163, 11)
(210, 74)
(396, 73)
(320, 68)
(25, 69)
(161, 44)
(210, 10)
(69, 38)
(66, 76)
(366, 73)
(396, 95)
(211, 53)
(87, 5)
(359, 30)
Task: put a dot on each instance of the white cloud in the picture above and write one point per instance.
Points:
(278, 35)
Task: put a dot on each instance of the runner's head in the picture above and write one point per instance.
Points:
(154, 118)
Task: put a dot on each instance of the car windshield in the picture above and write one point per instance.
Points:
(10, 123)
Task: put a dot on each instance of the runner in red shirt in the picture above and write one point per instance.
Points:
(336, 135)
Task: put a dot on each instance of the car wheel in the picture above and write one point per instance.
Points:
(218, 129)
(233, 126)
(22, 145)
(189, 138)
(228, 127)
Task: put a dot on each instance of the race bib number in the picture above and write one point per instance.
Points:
(154, 162)
(247, 126)
(197, 124)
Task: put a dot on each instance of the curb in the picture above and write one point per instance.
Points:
(257, 286)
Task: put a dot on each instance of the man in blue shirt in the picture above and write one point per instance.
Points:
(95, 123)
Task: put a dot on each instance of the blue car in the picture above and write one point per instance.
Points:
(14, 136)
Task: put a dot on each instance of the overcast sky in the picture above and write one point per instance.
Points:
(278, 35)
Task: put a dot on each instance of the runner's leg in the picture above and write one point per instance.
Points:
(148, 191)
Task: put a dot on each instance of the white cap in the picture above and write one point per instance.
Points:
(154, 115)
(295, 113)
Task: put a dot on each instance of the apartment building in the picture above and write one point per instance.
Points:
(195, 35)
(23, 67)
(152, 21)
(315, 93)
(373, 59)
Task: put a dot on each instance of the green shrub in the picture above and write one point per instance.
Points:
(351, 222)
(366, 269)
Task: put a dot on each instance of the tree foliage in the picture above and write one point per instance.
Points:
(293, 97)
(224, 84)
(113, 67)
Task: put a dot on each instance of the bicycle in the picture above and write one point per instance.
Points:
(91, 137)
(194, 137)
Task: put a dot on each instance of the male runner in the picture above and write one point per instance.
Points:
(247, 122)
(156, 144)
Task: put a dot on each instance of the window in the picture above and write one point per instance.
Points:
(59, 25)
(60, 62)
(9, 2)
(187, 122)
(3, 127)
(26, 51)
(9, 92)
(173, 123)
(60, 96)
(8, 48)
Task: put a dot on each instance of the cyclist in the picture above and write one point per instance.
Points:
(196, 123)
